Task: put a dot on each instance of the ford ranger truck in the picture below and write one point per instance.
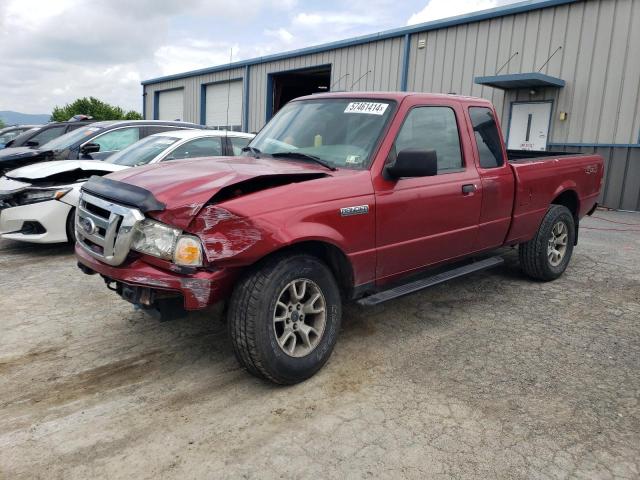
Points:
(341, 196)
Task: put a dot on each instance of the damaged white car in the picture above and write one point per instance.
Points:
(37, 202)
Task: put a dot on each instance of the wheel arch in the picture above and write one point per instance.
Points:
(568, 198)
(329, 253)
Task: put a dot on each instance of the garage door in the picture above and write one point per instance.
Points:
(170, 105)
(217, 97)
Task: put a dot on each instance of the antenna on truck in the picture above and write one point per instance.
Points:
(360, 78)
(338, 81)
(226, 122)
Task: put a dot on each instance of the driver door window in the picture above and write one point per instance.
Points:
(432, 128)
(201, 147)
(116, 140)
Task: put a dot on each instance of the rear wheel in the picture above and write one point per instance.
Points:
(546, 256)
(284, 318)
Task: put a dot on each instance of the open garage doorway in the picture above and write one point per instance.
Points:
(285, 86)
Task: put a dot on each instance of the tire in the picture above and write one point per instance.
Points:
(259, 318)
(70, 226)
(536, 258)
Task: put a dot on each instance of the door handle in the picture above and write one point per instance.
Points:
(468, 188)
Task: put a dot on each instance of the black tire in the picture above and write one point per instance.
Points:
(534, 258)
(251, 324)
(70, 226)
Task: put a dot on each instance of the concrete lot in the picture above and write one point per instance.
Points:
(490, 376)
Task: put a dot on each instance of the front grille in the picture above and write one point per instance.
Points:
(105, 229)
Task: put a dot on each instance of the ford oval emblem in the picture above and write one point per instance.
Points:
(88, 226)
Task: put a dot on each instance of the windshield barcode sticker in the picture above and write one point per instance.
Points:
(372, 108)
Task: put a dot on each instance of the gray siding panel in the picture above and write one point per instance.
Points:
(597, 61)
(191, 86)
(383, 58)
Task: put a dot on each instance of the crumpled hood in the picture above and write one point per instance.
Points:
(184, 186)
(11, 158)
(47, 169)
(18, 152)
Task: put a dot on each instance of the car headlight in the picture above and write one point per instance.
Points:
(41, 195)
(162, 241)
(188, 251)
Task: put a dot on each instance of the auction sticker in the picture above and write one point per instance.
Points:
(371, 108)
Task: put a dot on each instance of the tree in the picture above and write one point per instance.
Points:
(98, 109)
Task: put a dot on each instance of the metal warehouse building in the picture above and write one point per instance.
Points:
(563, 74)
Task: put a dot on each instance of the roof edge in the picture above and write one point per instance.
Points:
(514, 8)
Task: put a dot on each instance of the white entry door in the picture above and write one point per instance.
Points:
(529, 126)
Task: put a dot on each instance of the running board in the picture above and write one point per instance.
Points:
(427, 282)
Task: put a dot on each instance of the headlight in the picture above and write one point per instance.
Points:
(188, 251)
(162, 241)
(155, 238)
(41, 195)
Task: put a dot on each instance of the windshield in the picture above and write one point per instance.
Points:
(6, 137)
(65, 141)
(341, 132)
(142, 152)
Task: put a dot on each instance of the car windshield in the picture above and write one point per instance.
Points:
(8, 136)
(69, 139)
(340, 132)
(142, 152)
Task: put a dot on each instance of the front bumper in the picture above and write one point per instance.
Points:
(50, 215)
(198, 290)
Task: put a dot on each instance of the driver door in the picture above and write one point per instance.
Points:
(423, 221)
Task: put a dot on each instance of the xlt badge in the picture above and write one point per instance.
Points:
(357, 210)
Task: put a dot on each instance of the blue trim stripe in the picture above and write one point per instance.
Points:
(245, 99)
(520, 7)
(156, 104)
(203, 104)
(405, 63)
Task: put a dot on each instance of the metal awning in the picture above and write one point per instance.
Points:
(520, 80)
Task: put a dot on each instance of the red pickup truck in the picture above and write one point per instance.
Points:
(345, 196)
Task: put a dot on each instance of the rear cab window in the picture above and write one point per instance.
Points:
(487, 137)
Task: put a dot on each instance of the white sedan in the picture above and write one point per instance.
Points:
(37, 202)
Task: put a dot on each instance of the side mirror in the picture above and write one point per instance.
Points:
(90, 148)
(414, 163)
(32, 143)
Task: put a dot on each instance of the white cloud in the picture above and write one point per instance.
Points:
(436, 9)
(338, 18)
(281, 34)
(193, 54)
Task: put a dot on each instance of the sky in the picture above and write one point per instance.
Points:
(54, 51)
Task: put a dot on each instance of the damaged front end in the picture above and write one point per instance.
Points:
(156, 255)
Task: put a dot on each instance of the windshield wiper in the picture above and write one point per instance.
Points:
(254, 150)
(304, 156)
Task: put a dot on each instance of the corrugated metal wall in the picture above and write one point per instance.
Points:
(383, 58)
(192, 87)
(598, 60)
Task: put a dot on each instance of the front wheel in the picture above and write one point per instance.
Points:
(284, 317)
(546, 256)
(71, 226)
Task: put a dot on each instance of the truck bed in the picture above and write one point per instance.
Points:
(520, 155)
(541, 178)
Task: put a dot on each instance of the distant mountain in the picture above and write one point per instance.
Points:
(17, 118)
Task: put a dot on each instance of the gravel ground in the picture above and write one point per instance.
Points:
(489, 376)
